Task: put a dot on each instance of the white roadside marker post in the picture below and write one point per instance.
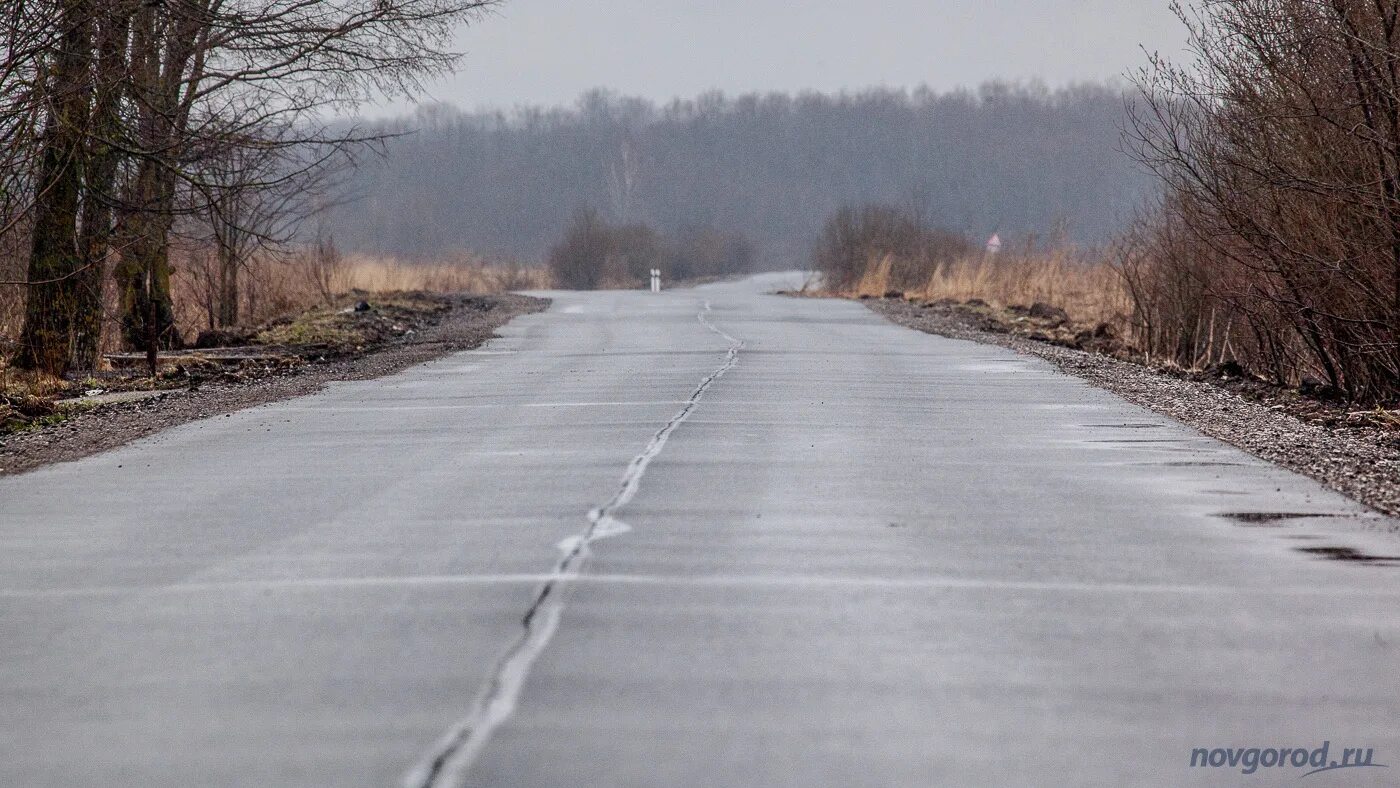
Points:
(656, 280)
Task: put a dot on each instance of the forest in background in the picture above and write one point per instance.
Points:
(1272, 248)
(1010, 158)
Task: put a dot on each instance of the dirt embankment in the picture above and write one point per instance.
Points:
(1353, 451)
(364, 336)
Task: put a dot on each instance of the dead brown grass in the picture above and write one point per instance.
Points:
(276, 287)
(1087, 288)
(378, 275)
(272, 287)
(24, 383)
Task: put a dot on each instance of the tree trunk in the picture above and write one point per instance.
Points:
(228, 240)
(96, 231)
(55, 262)
(143, 275)
(160, 53)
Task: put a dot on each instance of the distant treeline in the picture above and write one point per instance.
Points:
(1013, 159)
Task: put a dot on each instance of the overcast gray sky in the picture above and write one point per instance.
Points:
(550, 51)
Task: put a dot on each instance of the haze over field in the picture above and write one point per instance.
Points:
(1013, 160)
(523, 136)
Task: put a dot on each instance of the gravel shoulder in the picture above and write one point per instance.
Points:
(108, 424)
(1362, 462)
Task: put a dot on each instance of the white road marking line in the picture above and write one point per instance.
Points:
(386, 581)
(389, 406)
(683, 581)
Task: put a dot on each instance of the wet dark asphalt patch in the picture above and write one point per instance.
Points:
(1350, 555)
(1269, 519)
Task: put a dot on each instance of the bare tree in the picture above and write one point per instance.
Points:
(1279, 147)
(118, 166)
(253, 199)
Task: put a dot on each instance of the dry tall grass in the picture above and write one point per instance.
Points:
(873, 250)
(1088, 288)
(275, 286)
(387, 274)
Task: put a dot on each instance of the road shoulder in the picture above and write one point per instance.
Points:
(1362, 463)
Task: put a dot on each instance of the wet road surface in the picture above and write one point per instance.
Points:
(707, 537)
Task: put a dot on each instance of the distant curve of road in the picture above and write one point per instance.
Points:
(709, 537)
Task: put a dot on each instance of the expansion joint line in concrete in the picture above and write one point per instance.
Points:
(449, 761)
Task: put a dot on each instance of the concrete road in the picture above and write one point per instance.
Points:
(640, 540)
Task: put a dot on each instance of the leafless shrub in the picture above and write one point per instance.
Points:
(1278, 241)
(326, 267)
(856, 241)
(706, 252)
(594, 254)
(579, 260)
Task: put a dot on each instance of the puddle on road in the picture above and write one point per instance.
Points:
(1270, 519)
(1350, 555)
(1328, 552)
